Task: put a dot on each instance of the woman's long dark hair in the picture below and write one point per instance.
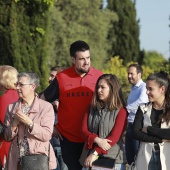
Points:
(166, 114)
(163, 79)
(116, 100)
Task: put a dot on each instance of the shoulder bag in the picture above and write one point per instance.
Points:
(104, 163)
(34, 161)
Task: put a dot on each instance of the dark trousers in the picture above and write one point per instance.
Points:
(0, 167)
(71, 152)
(131, 145)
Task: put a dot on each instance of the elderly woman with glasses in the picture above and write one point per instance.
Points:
(28, 123)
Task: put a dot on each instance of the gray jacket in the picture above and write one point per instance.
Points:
(102, 122)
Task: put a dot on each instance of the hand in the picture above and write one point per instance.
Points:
(89, 160)
(144, 129)
(103, 143)
(165, 140)
(56, 133)
(55, 104)
(20, 117)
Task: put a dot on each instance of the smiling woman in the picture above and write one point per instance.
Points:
(151, 154)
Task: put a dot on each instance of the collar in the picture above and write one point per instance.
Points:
(35, 104)
(139, 83)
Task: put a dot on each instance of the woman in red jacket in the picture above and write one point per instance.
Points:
(8, 77)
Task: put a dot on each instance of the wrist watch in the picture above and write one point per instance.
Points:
(95, 153)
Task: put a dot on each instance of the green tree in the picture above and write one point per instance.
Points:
(124, 34)
(115, 66)
(155, 61)
(79, 20)
(23, 36)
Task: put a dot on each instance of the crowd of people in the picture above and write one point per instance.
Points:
(82, 115)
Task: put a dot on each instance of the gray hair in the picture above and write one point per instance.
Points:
(32, 77)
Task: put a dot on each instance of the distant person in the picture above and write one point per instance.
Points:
(151, 125)
(104, 123)
(8, 78)
(53, 71)
(136, 97)
(55, 141)
(73, 88)
(28, 123)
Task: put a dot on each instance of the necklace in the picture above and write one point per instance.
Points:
(25, 108)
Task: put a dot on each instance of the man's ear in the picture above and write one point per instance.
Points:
(73, 60)
(140, 75)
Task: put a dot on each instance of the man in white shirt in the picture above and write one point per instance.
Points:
(136, 97)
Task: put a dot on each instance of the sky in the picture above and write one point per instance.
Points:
(154, 25)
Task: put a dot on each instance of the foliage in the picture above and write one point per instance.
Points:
(79, 20)
(155, 61)
(23, 36)
(124, 34)
(48, 2)
(115, 66)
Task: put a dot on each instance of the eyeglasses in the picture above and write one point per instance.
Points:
(20, 84)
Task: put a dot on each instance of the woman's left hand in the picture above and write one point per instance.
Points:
(144, 129)
(22, 117)
(89, 160)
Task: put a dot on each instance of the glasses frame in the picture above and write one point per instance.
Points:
(20, 84)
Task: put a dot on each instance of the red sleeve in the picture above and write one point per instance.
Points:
(7, 98)
(117, 131)
(3, 106)
(88, 136)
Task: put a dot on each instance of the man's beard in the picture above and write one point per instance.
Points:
(83, 70)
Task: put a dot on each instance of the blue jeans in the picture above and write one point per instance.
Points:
(155, 163)
(131, 145)
(60, 163)
(120, 167)
(57, 150)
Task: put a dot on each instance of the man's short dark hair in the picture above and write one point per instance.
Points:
(78, 46)
(57, 68)
(138, 68)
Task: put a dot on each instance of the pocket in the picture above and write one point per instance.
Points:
(39, 147)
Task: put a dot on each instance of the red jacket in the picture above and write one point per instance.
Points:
(7, 98)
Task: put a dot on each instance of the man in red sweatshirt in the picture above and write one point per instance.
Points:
(74, 89)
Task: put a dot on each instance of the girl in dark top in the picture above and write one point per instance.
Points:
(150, 117)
